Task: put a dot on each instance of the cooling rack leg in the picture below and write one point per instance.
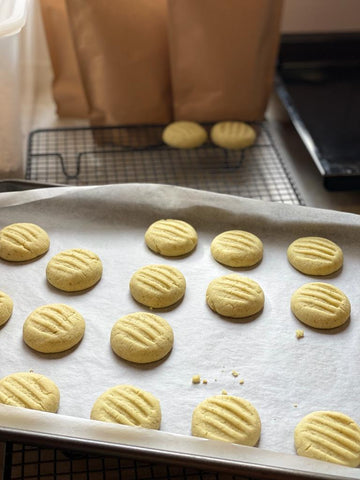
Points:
(8, 449)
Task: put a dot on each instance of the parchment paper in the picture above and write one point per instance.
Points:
(285, 378)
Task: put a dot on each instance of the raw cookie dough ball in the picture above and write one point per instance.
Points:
(315, 255)
(236, 248)
(184, 134)
(235, 296)
(141, 337)
(128, 405)
(6, 308)
(171, 237)
(227, 418)
(320, 305)
(329, 436)
(53, 328)
(232, 135)
(74, 270)
(157, 286)
(20, 242)
(30, 390)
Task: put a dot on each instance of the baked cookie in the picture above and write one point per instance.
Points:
(157, 286)
(171, 237)
(53, 328)
(227, 418)
(6, 308)
(184, 134)
(232, 135)
(235, 296)
(315, 256)
(329, 436)
(320, 305)
(141, 337)
(30, 390)
(74, 270)
(20, 242)
(236, 248)
(128, 405)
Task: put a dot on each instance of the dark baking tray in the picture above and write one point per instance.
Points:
(318, 82)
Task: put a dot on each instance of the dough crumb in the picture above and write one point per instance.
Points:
(299, 333)
(205, 381)
(242, 381)
(234, 373)
(295, 405)
(196, 379)
(224, 392)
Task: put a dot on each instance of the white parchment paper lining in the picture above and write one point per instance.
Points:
(285, 378)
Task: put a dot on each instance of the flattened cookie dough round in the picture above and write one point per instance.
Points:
(320, 305)
(315, 255)
(30, 390)
(237, 248)
(53, 328)
(329, 436)
(235, 296)
(142, 337)
(6, 308)
(157, 286)
(20, 242)
(128, 405)
(232, 135)
(74, 270)
(184, 134)
(171, 237)
(227, 418)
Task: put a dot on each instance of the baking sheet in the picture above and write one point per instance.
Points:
(284, 377)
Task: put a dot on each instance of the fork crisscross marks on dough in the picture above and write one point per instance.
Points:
(315, 255)
(128, 405)
(29, 390)
(320, 305)
(23, 241)
(235, 296)
(227, 418)
(141, 337)
(329, 436)
(157, 286)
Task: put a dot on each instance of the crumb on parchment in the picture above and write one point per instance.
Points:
(205, 381)
(196, 379)
(299, 333)
(242, 381)
(224, 392)
(234, 373)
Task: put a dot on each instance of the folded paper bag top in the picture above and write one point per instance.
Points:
(122, 50)
(222, 55)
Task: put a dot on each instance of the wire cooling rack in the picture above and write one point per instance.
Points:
(29, 462)
(103, 155)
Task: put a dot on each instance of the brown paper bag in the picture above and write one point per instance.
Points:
(122, 49)
(67, 85)
(223, 56)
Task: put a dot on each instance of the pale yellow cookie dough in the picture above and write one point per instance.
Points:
(30, 390)
(329, 436)
(315, 255)
(171, 237)
(141, 337)
(157, 286)
(227, 418)
(74, 270)
(20, 242)
(128, 405)
(232, 135)
(235, 296)
(237, 248)
(320, 305)
(6, 308)
(184, 134)
(53, 328)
